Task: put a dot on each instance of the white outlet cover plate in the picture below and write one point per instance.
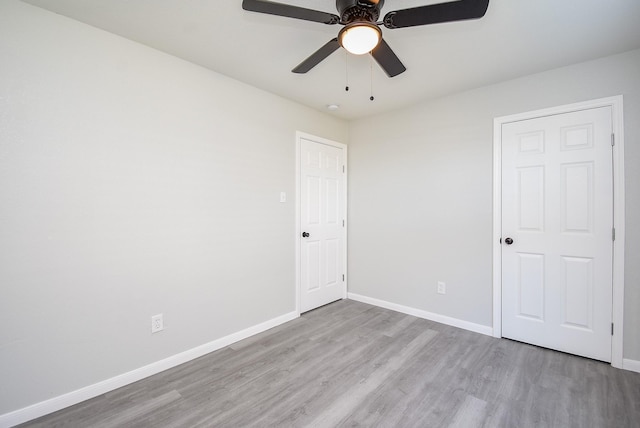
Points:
(157, 323)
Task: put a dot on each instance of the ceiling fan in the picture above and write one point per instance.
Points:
(361, 32)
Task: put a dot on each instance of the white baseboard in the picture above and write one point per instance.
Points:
(442, 319)
(631, 365)
(74, 397)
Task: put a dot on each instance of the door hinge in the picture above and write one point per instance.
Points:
(343, 281)
(613, 140)
(611, 329)
(343, 169)
(342, 223)
(613, 234)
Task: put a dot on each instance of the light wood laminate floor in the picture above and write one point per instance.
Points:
(349, 364)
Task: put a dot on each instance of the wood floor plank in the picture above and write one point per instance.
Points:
(470, 414)
(350, 364)
(341, 407)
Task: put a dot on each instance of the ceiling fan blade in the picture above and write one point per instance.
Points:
(390, 63)
(289, 11)
(436, 13)
(317, 56)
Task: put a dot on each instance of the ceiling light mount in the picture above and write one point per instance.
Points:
(360, 37)
(358, 10)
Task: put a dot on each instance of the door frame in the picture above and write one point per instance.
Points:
(616, 102)
(299, 136)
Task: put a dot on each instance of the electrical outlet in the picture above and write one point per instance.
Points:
(283, 197)
(442, 287)
(157, 324)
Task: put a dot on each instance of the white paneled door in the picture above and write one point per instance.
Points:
(557, 227)
(322, 223)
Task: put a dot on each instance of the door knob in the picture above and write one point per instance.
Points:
(305, 234)
(508, 241)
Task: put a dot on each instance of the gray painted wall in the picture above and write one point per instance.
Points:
(133, 183)
(420, 191)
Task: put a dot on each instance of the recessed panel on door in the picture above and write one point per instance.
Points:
(332, 205)
(576, 137)
(332, 255)
(578, 292)
(313, 160)
(531, 198)
(313, 202)
(312, 277)
(577, 197)
(531, 286)
(332, 162)
(531, 143)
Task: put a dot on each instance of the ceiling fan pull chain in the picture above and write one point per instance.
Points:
(346, 70)
(371, 67)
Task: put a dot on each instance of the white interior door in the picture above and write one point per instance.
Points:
(557, 224)
(322, 223)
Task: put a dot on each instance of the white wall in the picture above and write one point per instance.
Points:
(132, 183)
(420, 188)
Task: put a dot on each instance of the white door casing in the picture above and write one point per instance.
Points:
(321, 241)
(560, 284)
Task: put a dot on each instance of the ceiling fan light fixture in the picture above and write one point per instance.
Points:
(360, 38)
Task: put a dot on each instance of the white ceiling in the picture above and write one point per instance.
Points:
(515, 38)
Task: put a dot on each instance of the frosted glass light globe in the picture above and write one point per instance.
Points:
(360, 38)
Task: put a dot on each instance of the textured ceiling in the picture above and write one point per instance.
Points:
(515, 38)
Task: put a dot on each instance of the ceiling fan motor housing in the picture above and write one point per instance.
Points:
(359, 10)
